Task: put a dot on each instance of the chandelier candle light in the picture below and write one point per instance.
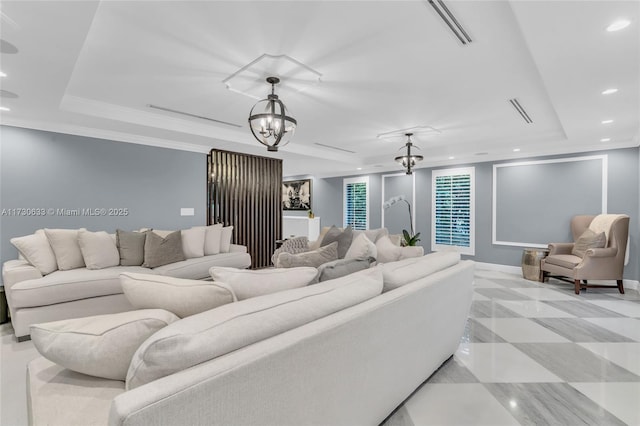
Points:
(269, 122)
(409, 161)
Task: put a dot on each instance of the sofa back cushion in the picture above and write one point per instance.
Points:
(212, 237)
(130, 247)
(181, 296)
(193, 242)
(160, 250)
(64, 243)
(213, 333)
(343, 237)
(397, 274)
(247, 283)
(101, 345)
(37, 251)
(362, 247)
(98, 249)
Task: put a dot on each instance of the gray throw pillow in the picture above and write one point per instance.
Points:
(131, 247)
(343, 238)
(313, 258)
(160, 251)
(341, 267)
(587, 240)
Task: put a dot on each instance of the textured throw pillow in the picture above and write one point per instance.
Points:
(212, 237)
(37, 251)
(341, 267)
(193, 242)
(64, 243)
(313, 258)
(98, 249)
(587, 240)
(246, 283)
(216, 332)
(291, 245)
(361, 247)
(225, 239)
(101, 345)
(160, 251)
(397, 274)
(387, 251)
(178, 295)
(343, 238)
(130, 247)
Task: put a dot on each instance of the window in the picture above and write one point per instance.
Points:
(356, 203)
(453, 210)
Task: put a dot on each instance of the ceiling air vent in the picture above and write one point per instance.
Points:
(193, 115)
(514, 102)
(451, 21)
(334, 147)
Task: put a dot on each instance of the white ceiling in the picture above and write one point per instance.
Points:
(93, 67)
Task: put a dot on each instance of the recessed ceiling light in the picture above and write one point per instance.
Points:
(607, 121)
(605, 139)
(359, 168)
(516, 149)
(4, 108)
(609, 91)
(618, 25)
(2, 74)
(451, 158)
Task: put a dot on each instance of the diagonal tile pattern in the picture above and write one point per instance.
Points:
(536, 353)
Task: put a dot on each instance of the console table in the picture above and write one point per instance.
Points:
(300, 226)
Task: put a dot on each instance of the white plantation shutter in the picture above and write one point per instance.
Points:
(356, 203)
(453, 209)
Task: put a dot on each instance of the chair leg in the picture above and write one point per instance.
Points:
(584, 282)
(620, 287)
(577, 286)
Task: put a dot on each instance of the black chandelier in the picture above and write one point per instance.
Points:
(270, 124)
(409, 161)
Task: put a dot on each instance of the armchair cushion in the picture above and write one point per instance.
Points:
(588, 239)
(568, 261)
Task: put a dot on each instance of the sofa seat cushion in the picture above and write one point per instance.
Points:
(67, 286)
(205, 336)
(397, 274)
(564, 260)
(198, 268)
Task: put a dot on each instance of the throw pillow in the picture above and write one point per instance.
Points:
(160, 251)
(98, 249)
(372, 234)
(130, 247)
(341, 267)
(37, 251)
(216, 332)
(361, 247)
(178, 295)
(343, 238)
(397, 274)
(101, 345)
(213, 235)
(291, 245)
(225, 239)
(587, 240)
(64, 243)
(313, 258)
(193, 242)
(247, 283)
(387, 251)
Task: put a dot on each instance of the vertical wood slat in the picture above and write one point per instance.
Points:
(244, 191)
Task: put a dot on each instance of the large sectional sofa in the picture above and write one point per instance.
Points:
(346, 351)
(35, 297)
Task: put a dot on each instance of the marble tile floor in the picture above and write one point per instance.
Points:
(537, 354)
(531, 354)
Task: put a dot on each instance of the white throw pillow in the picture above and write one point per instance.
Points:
(397, 274)
(216, 332)
(246, 283)
(387, 251)
(37, 251)
(193, 242)
(98, 249)
(213, 235)
(361, 248)
(178, 295)
(225, 239)
(101, 345)
(64, 243)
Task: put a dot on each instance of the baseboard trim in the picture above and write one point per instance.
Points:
(630, 284)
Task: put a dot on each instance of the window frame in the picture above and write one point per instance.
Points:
(354, 180)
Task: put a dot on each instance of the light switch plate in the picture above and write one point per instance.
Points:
(187, 211)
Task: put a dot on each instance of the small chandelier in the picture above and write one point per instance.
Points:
(270, 124)
(409, 161)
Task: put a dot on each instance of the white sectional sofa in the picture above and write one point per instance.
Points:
(34, 297)
(352, 366)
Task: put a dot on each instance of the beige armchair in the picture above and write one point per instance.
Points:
(605, 263)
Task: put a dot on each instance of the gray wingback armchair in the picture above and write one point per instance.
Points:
(606, 263)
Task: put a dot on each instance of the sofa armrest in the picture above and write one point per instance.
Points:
(601, 252)
(236, 248)
(560, 248)
(14, 271)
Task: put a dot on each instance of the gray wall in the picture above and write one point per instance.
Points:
(623, 197)
(51, 170)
